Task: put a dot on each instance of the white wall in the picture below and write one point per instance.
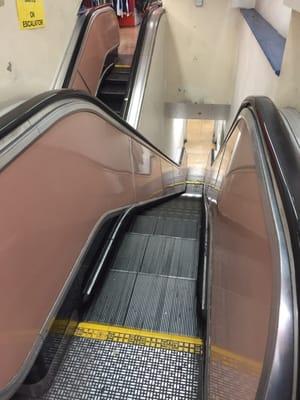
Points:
(294, 4)
(243, 3)
(276, 13)
(289, 90)
(254, 74)
(151, 123)
(166, 133)
(201, 50)
(30, 58)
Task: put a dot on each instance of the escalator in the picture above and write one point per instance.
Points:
(117, 83)
(131, 288)
(129, 322)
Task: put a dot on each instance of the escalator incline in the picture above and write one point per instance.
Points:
(140, 336)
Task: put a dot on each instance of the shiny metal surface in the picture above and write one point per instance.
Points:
(137, 97)
(23, 136)
(291, 118)
(147, 172)
(63, 69)
(77, 167)
(168, 180)
(251, 314)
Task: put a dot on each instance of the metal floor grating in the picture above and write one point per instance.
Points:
(114, 363)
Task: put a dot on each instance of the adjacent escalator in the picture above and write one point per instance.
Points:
(113, 88)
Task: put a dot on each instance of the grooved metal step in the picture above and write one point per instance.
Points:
(131, 252)
(111, 304)
(113, 90)
(176, 257)
(163, 304)
(118, 77)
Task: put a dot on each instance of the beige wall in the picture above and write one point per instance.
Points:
(254, 74)
(295, 4)
(276, 13)
(152, 118)
(289, 89)
(201, 50)
(212, 56)
(198, 147)
(166, 133)
(30, 58)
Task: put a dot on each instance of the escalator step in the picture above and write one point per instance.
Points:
(169, 256)
(110, 306)
(113, 90)
(163, 304)
(144, 224)
(173, 213)
(118, 77)
(177, 227)
(131, 252)
(115, 103)
(187, 205)
(122, 69)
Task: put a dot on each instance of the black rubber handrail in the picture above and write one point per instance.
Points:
(285, 162)
(29, 108)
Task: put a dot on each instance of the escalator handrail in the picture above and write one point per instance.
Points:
(137, 54)
(283, 159)
(23, 112)
(76, 50)
(141, 69)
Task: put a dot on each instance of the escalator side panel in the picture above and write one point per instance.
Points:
(147, 172)
(249, 269)
(55, 193)
(102, 34)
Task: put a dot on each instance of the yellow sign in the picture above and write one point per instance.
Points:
(31, 14)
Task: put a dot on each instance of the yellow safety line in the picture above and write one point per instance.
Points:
(195, 182)
(175, 184)
(122, 66)
(142, 337)
(89, 330)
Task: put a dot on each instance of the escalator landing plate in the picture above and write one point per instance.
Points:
(111, 362)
